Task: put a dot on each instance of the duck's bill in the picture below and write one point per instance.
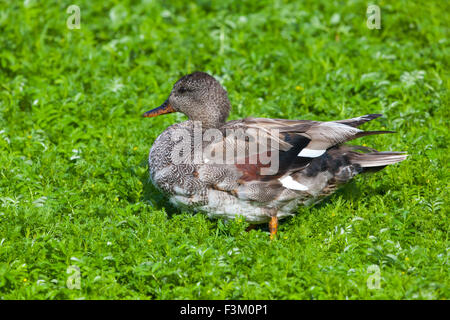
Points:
(162, 109)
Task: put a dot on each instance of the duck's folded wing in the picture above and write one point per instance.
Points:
(328, 134)
(295, 142)
(322, 135)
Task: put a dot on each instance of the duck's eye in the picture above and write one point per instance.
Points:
(183, 90)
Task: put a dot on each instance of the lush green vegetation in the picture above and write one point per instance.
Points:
(73, 148)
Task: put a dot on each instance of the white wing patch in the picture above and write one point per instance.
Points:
(311, 153)
(290, 183)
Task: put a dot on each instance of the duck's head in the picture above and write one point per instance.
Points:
(199, 96)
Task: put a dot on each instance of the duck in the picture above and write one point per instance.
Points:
(260, 169)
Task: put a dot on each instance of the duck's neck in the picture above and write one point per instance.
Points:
(214, 115)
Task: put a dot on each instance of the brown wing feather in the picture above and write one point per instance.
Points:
(289, 138)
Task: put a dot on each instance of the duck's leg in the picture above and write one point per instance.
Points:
(273, 226)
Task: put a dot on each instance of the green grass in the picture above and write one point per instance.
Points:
(73, 148)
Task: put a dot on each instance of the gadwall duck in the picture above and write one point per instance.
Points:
(257, 168)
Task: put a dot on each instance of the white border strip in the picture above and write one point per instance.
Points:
(290, 183)
(310, 153)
